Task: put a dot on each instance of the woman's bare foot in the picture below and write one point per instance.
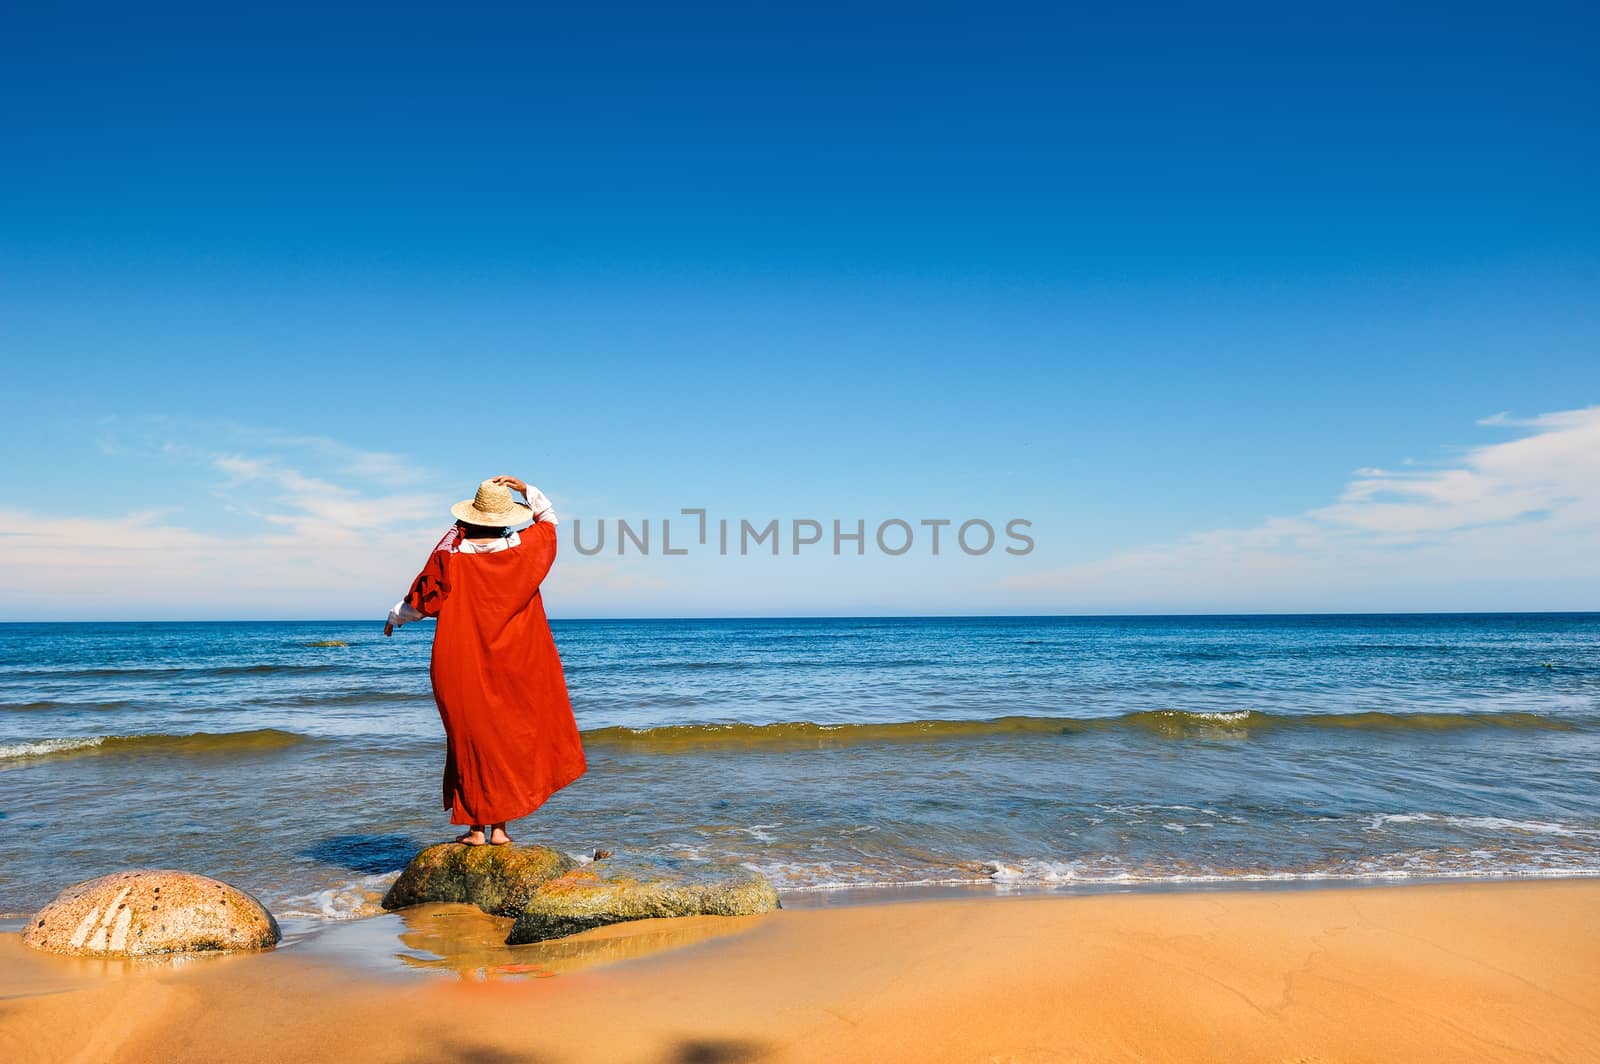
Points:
(499, 837)
(471, 838)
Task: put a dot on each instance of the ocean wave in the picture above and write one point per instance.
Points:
(1116, 871)
(1498, 824)
(73, 672)
(808, 732)
(1165, 723)
(352, 900)
(142, 671)
(1050, 874)
(259, 740)
(1177, 722)
(261, 670)
(345, 698)
(32, 707)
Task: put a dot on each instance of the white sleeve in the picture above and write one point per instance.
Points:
(403, 614)
(543, 512)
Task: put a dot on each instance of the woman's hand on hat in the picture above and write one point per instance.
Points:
(514, 484)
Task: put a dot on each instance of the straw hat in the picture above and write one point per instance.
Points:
(492, 506)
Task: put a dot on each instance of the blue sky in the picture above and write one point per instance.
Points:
(1218, 299)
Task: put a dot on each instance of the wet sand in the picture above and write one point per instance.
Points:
(1498, 971)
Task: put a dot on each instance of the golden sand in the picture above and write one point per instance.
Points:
(1423, 973)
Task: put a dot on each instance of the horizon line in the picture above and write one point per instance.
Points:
(872, 617)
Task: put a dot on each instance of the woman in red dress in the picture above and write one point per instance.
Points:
(511, 738)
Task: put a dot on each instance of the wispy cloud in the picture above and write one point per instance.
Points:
(1525, 510)
(1551, 472)
(314, 506)
(289, 526)
(385, 467)
(311, 538)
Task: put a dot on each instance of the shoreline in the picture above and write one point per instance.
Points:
(817, 897)
(981, 888)
(1482, 970)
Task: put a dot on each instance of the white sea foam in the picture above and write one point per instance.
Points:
(759, 831)
(347, 901)
(45, 747)
(1531, 827)
(1383, 820)
(1481, 823)
(1421, 865)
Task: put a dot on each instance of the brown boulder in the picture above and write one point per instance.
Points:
(146, 912)
(639, 888)
(497, 879)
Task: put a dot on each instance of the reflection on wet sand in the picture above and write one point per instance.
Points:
(465, 940)
(30, 973)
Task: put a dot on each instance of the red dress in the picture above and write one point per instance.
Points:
(512, 739)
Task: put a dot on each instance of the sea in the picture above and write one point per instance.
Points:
(302, 761)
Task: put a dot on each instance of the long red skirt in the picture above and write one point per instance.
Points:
(512, 739)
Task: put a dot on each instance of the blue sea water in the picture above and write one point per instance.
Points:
(302, 760)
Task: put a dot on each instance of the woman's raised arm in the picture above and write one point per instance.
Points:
(429, 589)
(543, 511)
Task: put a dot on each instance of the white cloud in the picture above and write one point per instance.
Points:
(312, 504)
(1519, 518)
(323, 533)
(381, 466)
(312, 541)
(1553, 470)
(1512, 524)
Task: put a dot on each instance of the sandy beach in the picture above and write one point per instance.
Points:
(1496, 971)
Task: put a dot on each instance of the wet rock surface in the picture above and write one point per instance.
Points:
(617, 889)
(148, 912)
(497, 879)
